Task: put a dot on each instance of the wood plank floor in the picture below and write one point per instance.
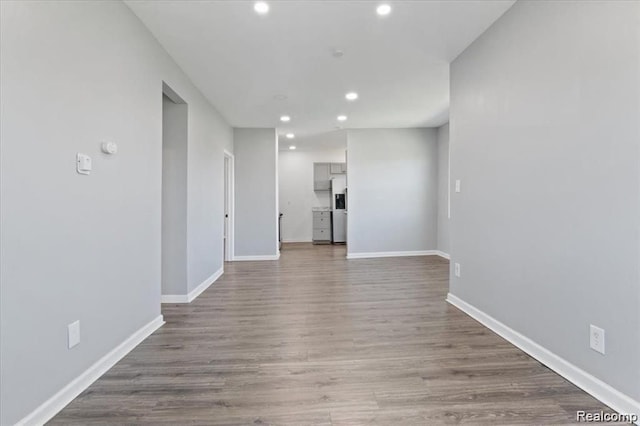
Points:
(314, 339)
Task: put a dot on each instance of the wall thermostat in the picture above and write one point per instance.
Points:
(109, 147)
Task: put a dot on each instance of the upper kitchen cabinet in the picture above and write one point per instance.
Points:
(321, 176)
(338, 168)
(322, 173)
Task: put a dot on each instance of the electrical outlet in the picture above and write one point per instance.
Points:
(596, 339)
(456, 270)
(73, 334)
(457, 185)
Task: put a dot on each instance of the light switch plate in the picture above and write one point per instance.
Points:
(596, 339)
(457, 185)
(83, 164)
(456, 269)
(73, 334)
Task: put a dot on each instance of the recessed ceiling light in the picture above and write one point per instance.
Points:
(351, 96)
(290, 135)
(285, 118)
(261, 7)
(292, 147)
(383, 10)
(342, 118)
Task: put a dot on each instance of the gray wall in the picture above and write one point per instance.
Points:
(256, 192)
(393, 190)
(174, 197)
(545, 138)
(209, 137)
(88, 247)
(443, 188)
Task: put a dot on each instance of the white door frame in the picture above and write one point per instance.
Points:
(228, 224)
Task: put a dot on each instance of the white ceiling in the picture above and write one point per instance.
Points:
(325, 141)
(245, 63)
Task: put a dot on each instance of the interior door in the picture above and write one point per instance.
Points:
(225, 232)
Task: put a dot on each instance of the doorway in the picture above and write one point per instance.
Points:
(174, 196)
(228, 207)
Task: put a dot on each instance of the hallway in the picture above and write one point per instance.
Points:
(316, 339)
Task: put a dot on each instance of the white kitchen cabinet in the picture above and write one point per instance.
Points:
(338, 168)
(321, 176)
(321, 227)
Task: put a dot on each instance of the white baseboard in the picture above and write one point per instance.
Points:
(254, 258)
(296, 241)
(443, 254)
(57, 402)
(391, 254)
(615, 399)
(174, 298)
(205, 285)
(188, 298)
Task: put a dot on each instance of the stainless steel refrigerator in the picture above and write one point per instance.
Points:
(339, 209)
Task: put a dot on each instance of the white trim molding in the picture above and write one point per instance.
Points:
(443, 254)
(64, 396)
(205, 285)
(230, 179)
(610, 396)
(174, 298)
(296, 241)
(255, 258)
(391, 254)
(277, 197)
(188, 298)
